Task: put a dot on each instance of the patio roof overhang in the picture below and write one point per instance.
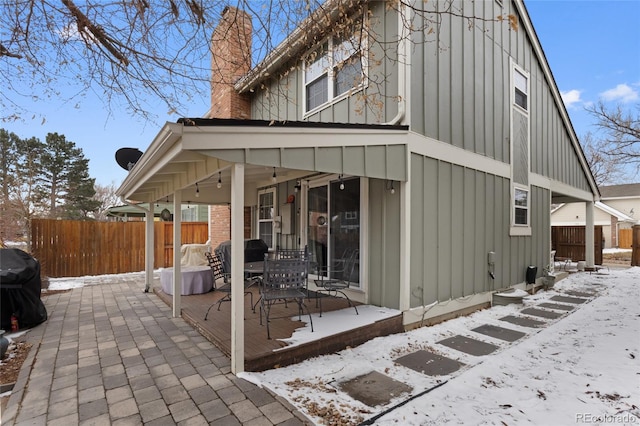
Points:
(202, 150)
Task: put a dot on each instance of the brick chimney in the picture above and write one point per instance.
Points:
(230, 60)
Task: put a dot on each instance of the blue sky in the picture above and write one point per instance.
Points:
(593, 48)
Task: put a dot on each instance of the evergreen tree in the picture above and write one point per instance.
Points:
(56, 160)
(79, 201)
(8, 155)
(26, 198)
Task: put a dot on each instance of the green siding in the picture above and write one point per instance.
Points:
(281, 98)
(458, 216)
(460, 88)
(384, 245)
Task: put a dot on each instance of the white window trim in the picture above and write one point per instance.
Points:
(519, 230)
(274, 214)
(526, 189)
(364, 49)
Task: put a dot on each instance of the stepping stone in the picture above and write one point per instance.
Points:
(557, 306)
(540, 313)
(429, 363)
(523, 322)
(580, 293)
(469, 345)
(505, 334)
(374, 388)
(567, 299)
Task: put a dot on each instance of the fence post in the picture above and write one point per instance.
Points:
(635, 246)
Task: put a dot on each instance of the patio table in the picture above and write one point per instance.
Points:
(195, 280)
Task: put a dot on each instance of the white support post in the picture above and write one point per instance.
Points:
(237, 268)
(148, 248)
(589, 235)
(177, 238)
(405, 246)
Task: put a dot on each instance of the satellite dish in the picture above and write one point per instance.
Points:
(165, 215)
(128, 157)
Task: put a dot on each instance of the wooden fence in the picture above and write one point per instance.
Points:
(67, 248)
(570, 241)
(625, 238)
(635, 246)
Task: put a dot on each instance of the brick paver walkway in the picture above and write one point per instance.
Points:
(110, 354)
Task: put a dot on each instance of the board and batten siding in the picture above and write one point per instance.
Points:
(460, 91)
(282, 97)
(459, 215)
(384, 245)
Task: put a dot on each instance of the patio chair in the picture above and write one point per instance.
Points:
(342, 275)
(215, 263)
(283, 280)
(296, 254)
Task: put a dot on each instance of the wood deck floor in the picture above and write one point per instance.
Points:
(259, 351)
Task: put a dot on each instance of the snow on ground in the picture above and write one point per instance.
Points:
(582, 368)
(616, 250)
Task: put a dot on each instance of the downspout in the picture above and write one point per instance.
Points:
(404, 59)
(148, 245)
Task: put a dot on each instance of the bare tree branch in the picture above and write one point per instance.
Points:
(139, 53)
(622, 133)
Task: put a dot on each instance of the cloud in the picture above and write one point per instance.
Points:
(621, 92)
(571, 97)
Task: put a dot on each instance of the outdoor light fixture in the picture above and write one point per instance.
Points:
(274, 178)
(219, 185)
(390, 187)
(197, 190)
(297, 186)
(341, 183)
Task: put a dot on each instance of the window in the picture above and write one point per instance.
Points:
(521, 90)
(266, 213)
(521, 207)
(334, 68)
(520, 144)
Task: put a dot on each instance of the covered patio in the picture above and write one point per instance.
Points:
(226, 162)
(291, 341)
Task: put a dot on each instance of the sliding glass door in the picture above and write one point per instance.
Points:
(333, 233)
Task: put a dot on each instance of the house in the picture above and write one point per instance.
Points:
(435, 153)
(188, 213)
(617, 213)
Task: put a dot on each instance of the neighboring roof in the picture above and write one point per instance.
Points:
(622, 217)
(127, 210)
(631, 190)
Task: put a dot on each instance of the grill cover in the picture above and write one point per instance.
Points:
(254, 251)
(20, 287)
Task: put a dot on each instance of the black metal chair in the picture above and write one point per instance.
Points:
(296, 254)
(216, 265)
(342, 275)
(283, 280)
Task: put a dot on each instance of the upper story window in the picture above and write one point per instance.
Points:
(334, 68)
(521, 90)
